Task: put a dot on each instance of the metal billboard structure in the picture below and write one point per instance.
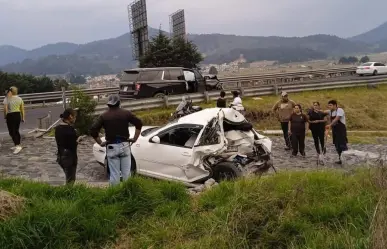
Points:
(138, 25)
(177, 24)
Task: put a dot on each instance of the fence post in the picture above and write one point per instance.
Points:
(206, 97)
(64, 97)
(166, 102)
(241, 91)
(275, 88)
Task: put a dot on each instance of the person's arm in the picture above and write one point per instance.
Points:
(94, 130)
(137, 123)
(290, 125)
(306, 124)
(275, 107)
(22, 111)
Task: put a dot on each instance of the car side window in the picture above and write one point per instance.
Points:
(382, 65)
(150, 75)
(174, 74)
(180, 136)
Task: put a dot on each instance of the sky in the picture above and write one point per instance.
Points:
(32, 23)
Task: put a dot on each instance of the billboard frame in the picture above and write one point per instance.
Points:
(138, 26)
(177, 24)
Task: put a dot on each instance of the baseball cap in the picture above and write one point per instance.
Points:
(113, 99)
(283, 94)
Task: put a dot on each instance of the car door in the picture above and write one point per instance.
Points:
(175, 79)
(169, 158)
(201, 82)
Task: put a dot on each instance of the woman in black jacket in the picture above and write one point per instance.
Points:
(66, 140)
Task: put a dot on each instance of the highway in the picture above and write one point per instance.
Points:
(32, 115)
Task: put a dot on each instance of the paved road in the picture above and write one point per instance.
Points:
(37, 161)
(32, 116)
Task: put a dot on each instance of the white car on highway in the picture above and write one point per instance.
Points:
(371, 68)
(212, 143)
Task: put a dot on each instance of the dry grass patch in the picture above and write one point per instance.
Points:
(10, 205)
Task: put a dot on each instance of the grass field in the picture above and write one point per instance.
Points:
(366, 109)
(327, 209)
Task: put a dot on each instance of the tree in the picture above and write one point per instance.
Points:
(59, 83)
(364, 59)
(25, 83)
(348, 60)
(164, 52)
(86, 107)
(213, 70)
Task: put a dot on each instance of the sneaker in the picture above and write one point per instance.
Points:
(287, 148)
(13, 148)
(17, 149)
(303, 155)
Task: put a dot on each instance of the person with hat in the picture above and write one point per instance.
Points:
(67, 142)
(284, 109)
(14, 114)
(115, 122)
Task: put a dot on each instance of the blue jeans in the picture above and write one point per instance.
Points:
(119, 161)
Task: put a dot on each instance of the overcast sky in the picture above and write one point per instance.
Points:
(33, 23)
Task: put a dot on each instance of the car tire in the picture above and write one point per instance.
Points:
(159, 95)
(375, 73)
(226, 171)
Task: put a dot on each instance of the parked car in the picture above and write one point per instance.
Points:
(214, 143)
(371, 68)
(158, 82)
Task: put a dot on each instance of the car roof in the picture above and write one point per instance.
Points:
(155, 69)
(204, 116)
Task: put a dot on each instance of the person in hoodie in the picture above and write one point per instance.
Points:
(67, 142)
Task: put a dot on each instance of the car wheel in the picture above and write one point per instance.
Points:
(226, 171)
(375, 73)
(159, 95)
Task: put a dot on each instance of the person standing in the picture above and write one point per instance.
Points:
(298, 128)
(66, 141)
(14, 114)
(221, 102)
(317, 121)
(339, 129)
(284, 108)
(115, 122)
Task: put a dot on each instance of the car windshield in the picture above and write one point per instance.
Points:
(149, 130)
(366, 64)
(129, 76)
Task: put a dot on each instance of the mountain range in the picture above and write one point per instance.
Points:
(113, 55)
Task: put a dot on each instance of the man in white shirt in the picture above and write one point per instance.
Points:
(237, 102)
(339, 129)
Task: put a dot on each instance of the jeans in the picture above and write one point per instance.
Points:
(298, 143)
(68, 161)
(285, 130)
(13, 124)
(119, 162)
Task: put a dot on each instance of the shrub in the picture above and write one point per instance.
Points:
(86, 107)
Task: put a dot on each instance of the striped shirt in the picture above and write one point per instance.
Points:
(14, 103)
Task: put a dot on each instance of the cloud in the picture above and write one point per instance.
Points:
(32, 23)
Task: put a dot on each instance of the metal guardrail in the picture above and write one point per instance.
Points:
(240, 81)
(146, 104)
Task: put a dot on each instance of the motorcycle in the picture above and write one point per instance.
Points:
(184, 108)
(212, 83)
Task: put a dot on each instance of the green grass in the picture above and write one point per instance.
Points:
(366, 109)
(327, 209)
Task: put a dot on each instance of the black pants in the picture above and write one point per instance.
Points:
(13, 124)
(285, 130)
(68, 160)
(319, 138)
(298, 143)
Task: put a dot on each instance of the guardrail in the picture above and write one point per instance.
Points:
(237, 81)
(146, 104)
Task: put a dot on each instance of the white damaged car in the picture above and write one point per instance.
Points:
(212, 143)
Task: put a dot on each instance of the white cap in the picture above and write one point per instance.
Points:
(283, 94)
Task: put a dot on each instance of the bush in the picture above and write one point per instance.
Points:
(86, 107)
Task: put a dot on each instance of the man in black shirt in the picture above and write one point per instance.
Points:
(221, 102)
(115, 122)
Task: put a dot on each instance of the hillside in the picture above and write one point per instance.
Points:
(374, 36)
(116, 53)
